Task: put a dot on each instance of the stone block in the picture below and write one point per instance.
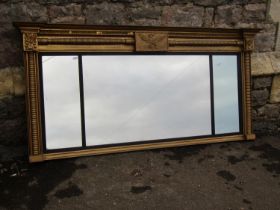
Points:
(65, 10)
(255, 12)
(262, 82)
(259, 97)
(261, 64)
(269, 111)
(105, 13)
(18, 81)
(274, 10)
(12, 82)
(144, 15)
(155, 2)
(275, 90)
(277, 45)
(265, 42)
(6, 82)
(10, 51)
(274, 13)
(266, 127)
(211, 3)
(71, 13)
(22, 11)
(186, 15)
(265, 39)
(275, 61)
(265, 63)
(69, 19)
(208, 17)
(254, 114)
(228, 15)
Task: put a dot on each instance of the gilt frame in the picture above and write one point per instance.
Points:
(63, 38)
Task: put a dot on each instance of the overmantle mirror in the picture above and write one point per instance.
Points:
(97, 89)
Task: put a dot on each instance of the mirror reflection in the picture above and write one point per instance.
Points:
(61, 101)
(145, 97)
(225, 80)
(129, 98)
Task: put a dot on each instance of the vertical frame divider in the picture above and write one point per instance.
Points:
(81, 82)
(240, 88)
(42, 111)
(212, 94)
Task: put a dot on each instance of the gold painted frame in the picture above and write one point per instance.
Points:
(39, 37)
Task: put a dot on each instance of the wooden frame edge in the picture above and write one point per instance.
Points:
(39, 37)
(136, 147)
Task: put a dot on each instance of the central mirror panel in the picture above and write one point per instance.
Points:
(129, 98)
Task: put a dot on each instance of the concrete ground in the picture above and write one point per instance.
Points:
(237, 175)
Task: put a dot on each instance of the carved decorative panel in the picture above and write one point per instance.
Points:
(149, 41)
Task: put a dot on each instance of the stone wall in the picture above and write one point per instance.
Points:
(188, 13)
(266, 93)
(266, 78)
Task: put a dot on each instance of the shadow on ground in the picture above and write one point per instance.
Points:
(238, 175)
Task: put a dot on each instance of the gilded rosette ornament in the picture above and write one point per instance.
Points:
(249, 44)
(30, 42)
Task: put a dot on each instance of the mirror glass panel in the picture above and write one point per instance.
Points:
(225, 78)
(61, 101)
(145, 97)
